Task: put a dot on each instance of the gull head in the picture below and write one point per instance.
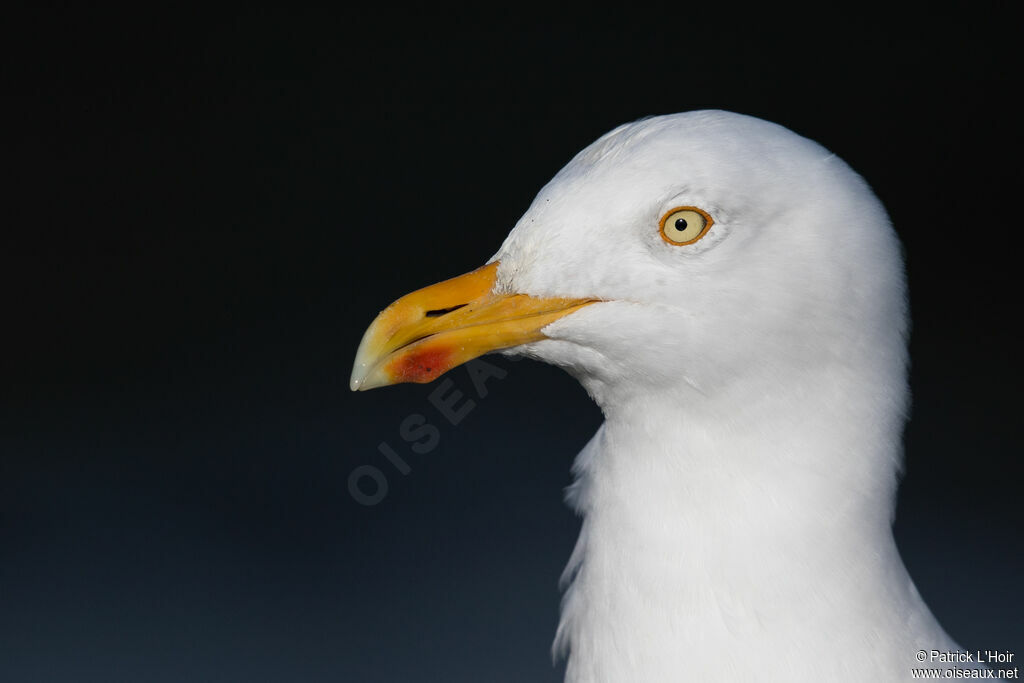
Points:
(690, 254)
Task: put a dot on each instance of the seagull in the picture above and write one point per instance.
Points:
(732, 295)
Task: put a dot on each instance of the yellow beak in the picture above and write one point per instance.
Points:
(429, 332)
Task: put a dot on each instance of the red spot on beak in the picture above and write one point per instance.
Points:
(420, 366)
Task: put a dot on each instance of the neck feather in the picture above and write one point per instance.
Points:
(718, 531)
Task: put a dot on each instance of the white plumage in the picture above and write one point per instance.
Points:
(737, 502)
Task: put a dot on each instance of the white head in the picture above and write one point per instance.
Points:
(799, 270)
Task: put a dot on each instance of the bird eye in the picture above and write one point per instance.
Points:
(684, 225)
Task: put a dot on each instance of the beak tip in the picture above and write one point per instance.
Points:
(365, 378)
(358, 378)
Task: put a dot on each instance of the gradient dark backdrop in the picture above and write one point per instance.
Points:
(205, 212)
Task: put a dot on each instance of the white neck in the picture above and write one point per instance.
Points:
(725, 543)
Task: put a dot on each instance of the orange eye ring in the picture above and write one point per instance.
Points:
(688, 233)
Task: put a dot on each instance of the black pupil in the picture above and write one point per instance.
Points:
(680, 224)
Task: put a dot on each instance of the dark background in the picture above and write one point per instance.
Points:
(202, 213)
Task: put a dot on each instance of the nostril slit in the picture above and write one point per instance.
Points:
(442, 311)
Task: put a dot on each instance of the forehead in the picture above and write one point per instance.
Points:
(735, 167)
(637, 165)
(602, 209)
